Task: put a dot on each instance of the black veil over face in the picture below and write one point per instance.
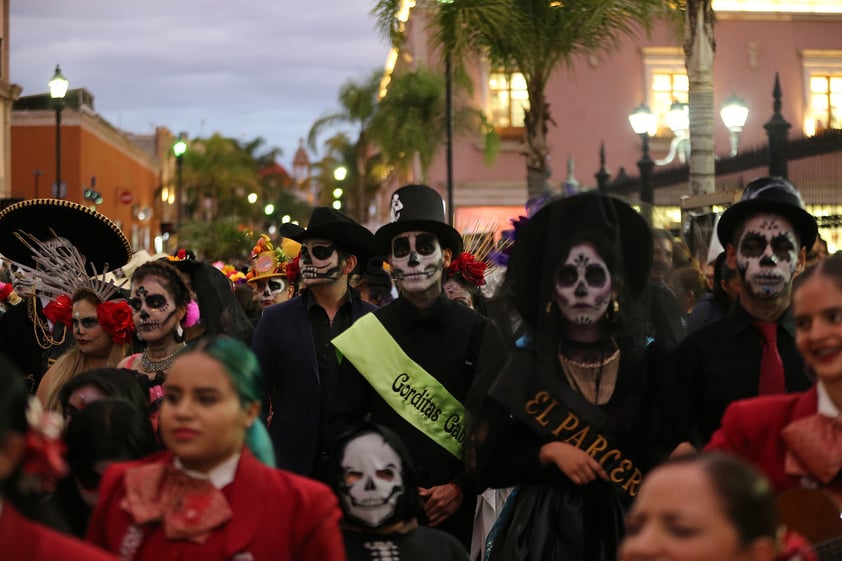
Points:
(408, 505)
(617, 232)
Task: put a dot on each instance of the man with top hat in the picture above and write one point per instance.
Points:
(751, 350)
(409, 365)
(292, 339)
(31, 339)
(268, 276)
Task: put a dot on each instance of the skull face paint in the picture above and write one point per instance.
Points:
(417, 261)
(372, 479)
(583, 286)
(154, 309)
(270, 291)
(767, 255)
(320, 263)
(458, 294)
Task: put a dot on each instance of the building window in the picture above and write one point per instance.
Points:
(823, 87)
(508, 99)
(666, 82)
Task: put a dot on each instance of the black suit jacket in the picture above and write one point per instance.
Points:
(283, 343)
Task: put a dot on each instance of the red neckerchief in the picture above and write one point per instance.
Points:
(814, 447)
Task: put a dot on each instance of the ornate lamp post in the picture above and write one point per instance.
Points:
(178, 150)
(644, 123)
(58, 89)
(734, 114)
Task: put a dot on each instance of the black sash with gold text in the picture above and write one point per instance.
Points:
(537, 396)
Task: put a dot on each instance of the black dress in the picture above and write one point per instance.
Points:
(420, 544)
(530, 404)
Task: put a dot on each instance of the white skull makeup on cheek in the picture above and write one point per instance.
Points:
(417, 261)
(319, 262)
(372, 480)
(767, 255)
(153, 308)
(270, 291)
(583, 286)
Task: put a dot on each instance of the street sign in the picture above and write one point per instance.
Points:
(126, 197)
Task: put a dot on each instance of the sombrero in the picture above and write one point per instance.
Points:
(95, 235)
(328, 224)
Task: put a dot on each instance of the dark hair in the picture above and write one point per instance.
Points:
(409, 505)
(831, 267)
(691, 278)
(118, 383)
(722, 272)
(175, 281)
(244, 294)
(746, 496)
(106, 430)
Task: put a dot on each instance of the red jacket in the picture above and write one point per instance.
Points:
(276, 515)
(751, 429)
(22, 539)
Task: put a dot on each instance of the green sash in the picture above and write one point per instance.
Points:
(410, 390)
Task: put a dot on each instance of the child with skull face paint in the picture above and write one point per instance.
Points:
(375, 481)
(567, 418)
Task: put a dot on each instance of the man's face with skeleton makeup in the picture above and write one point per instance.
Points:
(320, 262)
(417, 261)
(155, 313)
(767, 255)
(583, 286)
(372, 481)
(270, 291)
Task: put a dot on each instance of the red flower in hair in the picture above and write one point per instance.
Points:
(293, 270)
(60, 310)
(6, 289)
(467, 267)
(115, 317)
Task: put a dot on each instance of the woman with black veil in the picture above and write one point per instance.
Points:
(567, 419)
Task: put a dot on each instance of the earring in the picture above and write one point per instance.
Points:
(549, 309)
(179, 333)
(616, 306)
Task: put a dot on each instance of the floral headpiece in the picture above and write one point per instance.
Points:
(43, 462)
(267, 260)
(468, 268)
(293, 269)
(234, 275)
(8, 294)
(115, 317)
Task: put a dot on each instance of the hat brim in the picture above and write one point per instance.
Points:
(536, 251)
(449, 237)
(352, 237)
(803, 222)
(267, 276)
(95, 235)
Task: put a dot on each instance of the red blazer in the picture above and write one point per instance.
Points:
(22, 539)
(751, 429)
(276, 515)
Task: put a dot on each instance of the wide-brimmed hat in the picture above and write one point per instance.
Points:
(95, 235)
(774, 195)
(417, 208)
(329, 224)
(268, 261)
(537, 251)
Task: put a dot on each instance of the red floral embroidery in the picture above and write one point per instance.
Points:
(115, 317)
(467, 267)
(60, 310)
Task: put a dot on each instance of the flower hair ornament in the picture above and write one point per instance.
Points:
(484, 260)
(293, 269)
(193, 315)
(468, 268)
(43, 462)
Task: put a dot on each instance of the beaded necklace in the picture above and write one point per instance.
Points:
(159, 365)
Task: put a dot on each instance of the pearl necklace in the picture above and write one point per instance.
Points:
(159, 365)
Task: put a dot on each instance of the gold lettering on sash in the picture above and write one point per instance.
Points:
(616, 454)
(569, 423)
(616, 473)
(577, 439)
(634, 482)
(597, 445)
(540, 398)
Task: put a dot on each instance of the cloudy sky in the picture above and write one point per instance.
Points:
(244, 68)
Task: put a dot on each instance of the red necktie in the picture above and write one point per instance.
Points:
(771, 365)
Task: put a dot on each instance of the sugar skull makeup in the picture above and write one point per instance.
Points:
(767, 255)
(154, 310)
(270, 291)
(372, 479)
(320, 263)
(417, 261)
(458, 293)
(583, 286)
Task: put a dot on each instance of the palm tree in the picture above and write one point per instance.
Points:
(699, 47)
(533, 37)
(358, 102)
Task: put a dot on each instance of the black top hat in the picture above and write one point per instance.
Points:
(775, 195)
(335, 226)
(421, 208)
(95, 235)
(538, 248)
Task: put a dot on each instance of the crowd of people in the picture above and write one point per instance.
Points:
(365, 396)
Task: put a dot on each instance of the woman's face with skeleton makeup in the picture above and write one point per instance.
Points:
(320, 262)
(417, 261)
(583, 286)
(372, 481)
(767, 255)
(270, 291)
(155, 313)
(89, 334)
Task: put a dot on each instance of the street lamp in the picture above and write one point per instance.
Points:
(58, 89)
(178, 150)
(678, 120)
(734, 114)
(644, 123)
